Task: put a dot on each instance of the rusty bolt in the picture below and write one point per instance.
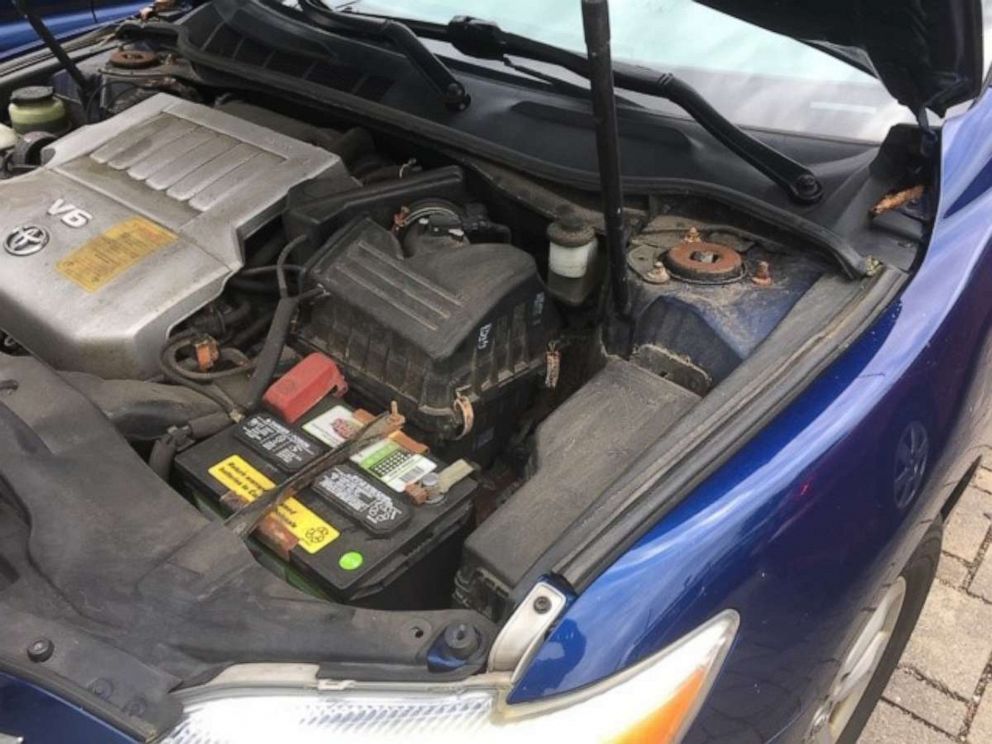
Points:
(207, 353)
(659, 274)
(417, 494)
(400, 219)
(762, 274)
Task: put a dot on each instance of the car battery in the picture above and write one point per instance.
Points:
(353, 534)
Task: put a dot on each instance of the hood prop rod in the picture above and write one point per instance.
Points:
(596, 23)
(26, 9)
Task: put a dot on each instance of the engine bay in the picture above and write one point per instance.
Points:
(390, 370)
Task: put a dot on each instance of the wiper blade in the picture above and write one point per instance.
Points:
(486, 40)
(434, 71)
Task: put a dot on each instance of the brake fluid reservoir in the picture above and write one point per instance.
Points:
(573, 245)
(8, 138)
(36, 109)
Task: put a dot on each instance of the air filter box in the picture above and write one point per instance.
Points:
(458, 337)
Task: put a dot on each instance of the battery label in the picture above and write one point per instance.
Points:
(238, 476)
(277, 442)
(374, 509)
(333, 427)
(394, 465)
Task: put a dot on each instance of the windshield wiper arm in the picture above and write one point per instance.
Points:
(434, 71)
(486, 40)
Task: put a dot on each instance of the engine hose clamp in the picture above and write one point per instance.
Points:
(463, 406)
(553, 366)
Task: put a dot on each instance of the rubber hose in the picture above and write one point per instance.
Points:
(162, 455)
(385, 173)
(253, 286)
(257, 328)
(268, 358)
(353, 144)
(207, 426)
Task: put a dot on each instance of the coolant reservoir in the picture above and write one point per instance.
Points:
(36, 109)
(8, 138)
(573, 245)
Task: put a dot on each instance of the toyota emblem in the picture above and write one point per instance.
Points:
(26, 240)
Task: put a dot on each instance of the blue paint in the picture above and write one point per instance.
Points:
(801, 528)
(981, 184)
(40, 717)
(109, 12)
(64, 18)
(719, 326)
(17, 37)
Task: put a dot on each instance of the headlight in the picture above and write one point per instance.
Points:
(654, 701)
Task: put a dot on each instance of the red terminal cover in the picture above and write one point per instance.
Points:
(304, 386)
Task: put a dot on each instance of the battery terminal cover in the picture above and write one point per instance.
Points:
(304, 386)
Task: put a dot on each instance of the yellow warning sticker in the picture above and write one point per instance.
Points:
(237, 475)
(101, 259)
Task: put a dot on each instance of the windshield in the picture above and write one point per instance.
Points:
(755, 77)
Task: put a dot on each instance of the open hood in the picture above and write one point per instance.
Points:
(928, 53)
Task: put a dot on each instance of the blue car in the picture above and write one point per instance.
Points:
(486, 371)
(62, 18)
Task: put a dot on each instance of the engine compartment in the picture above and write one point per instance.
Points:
(249, 294)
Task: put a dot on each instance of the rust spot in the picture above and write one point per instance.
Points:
(708, 263)
(762, 275)
(133, 59)
(207, 353)
(692, 236)
(658, 274)
(417, 494)
(896, 200)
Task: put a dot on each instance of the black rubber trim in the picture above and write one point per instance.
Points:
(415, 129)
(434, 71)
(485, 40)
(628, 515)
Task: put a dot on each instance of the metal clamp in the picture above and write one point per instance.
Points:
(463, 406)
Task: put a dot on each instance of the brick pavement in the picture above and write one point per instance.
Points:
(941, 692)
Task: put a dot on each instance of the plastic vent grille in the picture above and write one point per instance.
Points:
(214, 36)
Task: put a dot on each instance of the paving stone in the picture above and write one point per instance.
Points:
(981, 727)
(952, 644)
(982, 583)
(983, 479)
(934, 706)
(889, 725)
(969, 524)
(952, 571)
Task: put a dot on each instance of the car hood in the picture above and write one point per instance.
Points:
(928, 53)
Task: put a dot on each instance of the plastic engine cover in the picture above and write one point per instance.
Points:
(470, 324)
(133, 225)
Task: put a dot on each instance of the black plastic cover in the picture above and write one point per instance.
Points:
(580, 449)
(320, 206)
(473, 321)
(135, 587)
